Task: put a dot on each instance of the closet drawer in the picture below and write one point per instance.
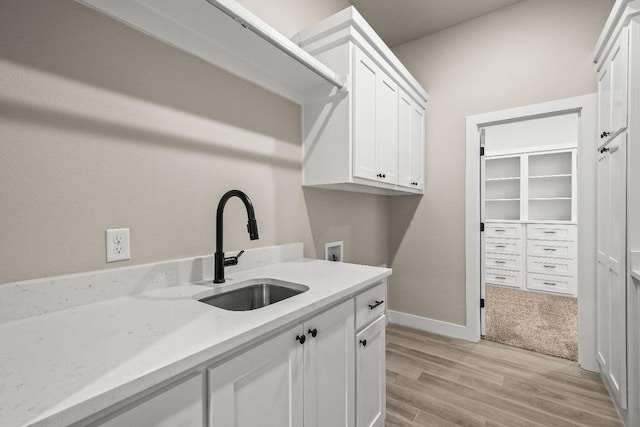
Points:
(551, 249)
(370, 305)
(552, 232)
(555, 266)
(503, 246)
(512, 279)
(551, 283)
(503, 262)
(512, 231)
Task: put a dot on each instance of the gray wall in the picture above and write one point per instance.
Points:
(531, 52)
(105, 127)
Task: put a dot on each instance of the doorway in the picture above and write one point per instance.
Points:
(531, 196)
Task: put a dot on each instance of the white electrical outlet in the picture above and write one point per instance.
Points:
(118, 248)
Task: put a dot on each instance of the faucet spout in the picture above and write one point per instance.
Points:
(252, 227)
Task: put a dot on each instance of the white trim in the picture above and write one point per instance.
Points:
(586, 105)
(430, 325)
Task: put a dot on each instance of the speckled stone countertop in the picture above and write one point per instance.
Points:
(60, 367)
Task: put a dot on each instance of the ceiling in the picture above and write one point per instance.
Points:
(400, 21)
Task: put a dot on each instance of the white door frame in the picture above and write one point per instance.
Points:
(586, 107)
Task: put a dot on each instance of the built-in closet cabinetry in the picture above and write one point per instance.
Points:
(617, 55)
(369, 138)
(530, 213)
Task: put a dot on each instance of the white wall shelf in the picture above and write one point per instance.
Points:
(227, 35)
(536, 186)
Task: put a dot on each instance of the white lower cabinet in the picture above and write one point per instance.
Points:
(177, 405)
(304, 376)
(370, 375)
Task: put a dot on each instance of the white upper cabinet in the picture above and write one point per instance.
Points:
(612, 89)
(370, 139)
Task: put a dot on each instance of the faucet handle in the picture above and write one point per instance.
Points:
(233, 260)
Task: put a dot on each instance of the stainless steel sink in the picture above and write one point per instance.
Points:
(254, 294)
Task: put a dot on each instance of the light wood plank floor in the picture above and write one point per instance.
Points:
(439, 381)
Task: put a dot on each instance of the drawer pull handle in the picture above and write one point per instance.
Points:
(500, 246)
(372, 306)
(363, 342)
(549, 283)
(501, 278)
(500, 262)
(549, 232)
(550, 249)
(501, 231)
(549, 266)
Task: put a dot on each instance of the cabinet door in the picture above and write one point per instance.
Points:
(618, 67)
(178, 405)
(611, 261)
(329, 377)
(387, 128)
(604, 101)
(612, 88)
(410, 142)
(365, 80)
(260, 387)
(405, 145)
(370, 375)
(417, 147)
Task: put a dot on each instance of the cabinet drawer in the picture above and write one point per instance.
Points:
(551, 283)
(503, 262)
(556, 266)
(511, 279)
(370, 304)
(551, 249)
(503, 246)
(552, 232)
(513, 231)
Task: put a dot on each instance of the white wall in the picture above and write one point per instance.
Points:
(105, 127)
(531, 52)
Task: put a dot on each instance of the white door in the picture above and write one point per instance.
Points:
(618, 67)
(405, 140)
(611, 286)
(365, 81)
(483, 321)
(329, 378)
(604, 101)
(387, 129)
(260, 387)
(370, 375)
(417, 145)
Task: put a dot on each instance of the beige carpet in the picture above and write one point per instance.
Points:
(535, 321)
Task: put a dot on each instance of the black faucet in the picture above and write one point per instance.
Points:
(252, 227)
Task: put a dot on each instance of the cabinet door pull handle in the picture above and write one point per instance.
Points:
(363, 342)
(313, 332)
(549, 283)
(372, 306)
(301, 338)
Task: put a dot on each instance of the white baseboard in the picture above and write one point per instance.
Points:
(430, 325)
